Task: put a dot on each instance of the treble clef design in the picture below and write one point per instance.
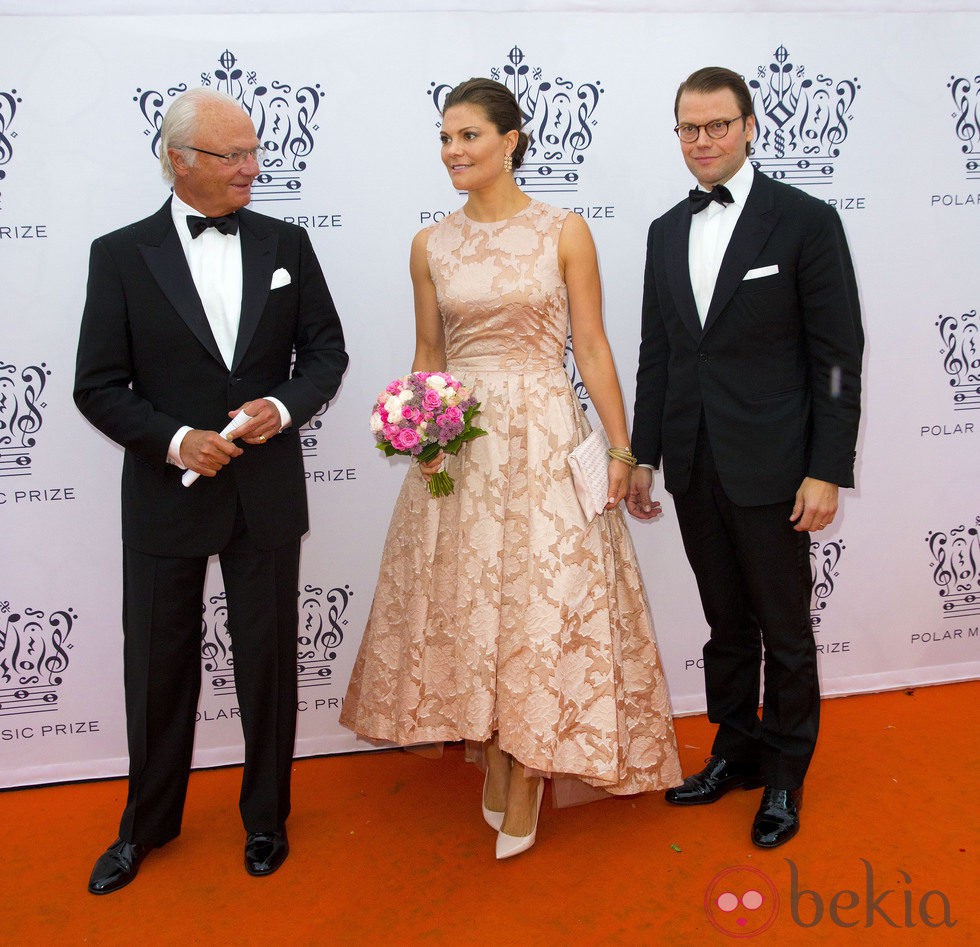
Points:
(8, 108)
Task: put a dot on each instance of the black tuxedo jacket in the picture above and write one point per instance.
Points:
(776, 367)
(148, 364)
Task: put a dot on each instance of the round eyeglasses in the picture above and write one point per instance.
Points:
(717, 129)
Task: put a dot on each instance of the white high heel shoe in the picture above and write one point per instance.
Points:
(510, 845)
(493, 819)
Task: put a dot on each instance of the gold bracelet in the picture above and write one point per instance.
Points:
(624, 454)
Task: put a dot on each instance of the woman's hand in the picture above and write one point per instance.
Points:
(619, 480)
(430, 467)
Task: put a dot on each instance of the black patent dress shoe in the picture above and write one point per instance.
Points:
(778, 818)
(117, 866)
(717, 778)
(265, 851)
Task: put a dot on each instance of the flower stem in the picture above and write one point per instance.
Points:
(441, 484)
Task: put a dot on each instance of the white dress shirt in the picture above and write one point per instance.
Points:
(711, 231)
(215, 262)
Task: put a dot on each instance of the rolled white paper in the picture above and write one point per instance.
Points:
(236, 422)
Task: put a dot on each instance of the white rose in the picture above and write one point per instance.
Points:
(393, 406)
(436, 381)
(376, 422)
(406, 396)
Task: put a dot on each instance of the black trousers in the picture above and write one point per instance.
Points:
(753, 575)
(162, 625)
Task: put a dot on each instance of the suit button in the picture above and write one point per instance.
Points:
(236, 380)
(703, 357)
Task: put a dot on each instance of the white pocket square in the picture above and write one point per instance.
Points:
(281, 277)
(752, 274)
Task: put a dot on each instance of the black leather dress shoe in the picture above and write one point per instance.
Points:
(778, 818)
(717, 778)
(117, 866)
(265, 851)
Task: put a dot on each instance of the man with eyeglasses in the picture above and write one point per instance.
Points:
(199, 314)
(748, 392)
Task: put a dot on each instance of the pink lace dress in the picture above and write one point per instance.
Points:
(498, 608)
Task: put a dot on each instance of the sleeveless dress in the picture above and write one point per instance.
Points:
(498, 608)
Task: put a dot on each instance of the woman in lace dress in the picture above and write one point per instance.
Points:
(502, 616)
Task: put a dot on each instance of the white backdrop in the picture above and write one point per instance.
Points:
(875, 113)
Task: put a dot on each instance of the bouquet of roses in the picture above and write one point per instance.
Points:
(422, 414)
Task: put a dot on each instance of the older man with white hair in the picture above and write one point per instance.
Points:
(193, 317)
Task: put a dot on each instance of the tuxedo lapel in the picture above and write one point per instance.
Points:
(754, 225)
(677, 233)
(164, 256)
(258, 264)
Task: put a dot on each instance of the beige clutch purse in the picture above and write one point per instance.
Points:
(589, 463)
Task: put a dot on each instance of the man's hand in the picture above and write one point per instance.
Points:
(816, 505)
(206, 452)
(638, 500)
(265, 421)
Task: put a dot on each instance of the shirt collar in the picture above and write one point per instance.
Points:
(181, 209)
(741, 183)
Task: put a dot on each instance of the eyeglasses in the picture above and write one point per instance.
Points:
(716, 129)
(233, 158)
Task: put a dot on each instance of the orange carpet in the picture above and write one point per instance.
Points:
(390, 848)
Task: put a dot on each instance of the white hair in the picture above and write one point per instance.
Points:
(177, 128)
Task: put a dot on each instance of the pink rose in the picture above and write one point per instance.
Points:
(406, 439)
(431, 400)
(452, 416)
(391, 431)
(393, 387)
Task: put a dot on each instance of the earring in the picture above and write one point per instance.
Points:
(508, 163)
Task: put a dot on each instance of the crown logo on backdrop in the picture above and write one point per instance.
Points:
(558, 119)
(800, 122)
(824, 559)
(966, 99)
(20, 416)
(284, 118)
(961, 358)
(321, 631)
(34, 656)
(8, 108)
(956, 569)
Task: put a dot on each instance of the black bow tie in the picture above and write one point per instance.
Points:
(197, 225)
(700, 199)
